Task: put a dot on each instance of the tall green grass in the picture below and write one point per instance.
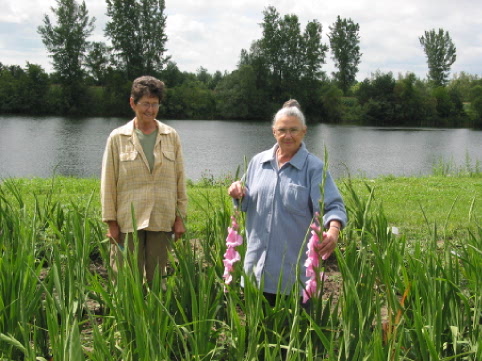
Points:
(409, 296)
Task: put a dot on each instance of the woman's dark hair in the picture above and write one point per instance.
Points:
(147, 85)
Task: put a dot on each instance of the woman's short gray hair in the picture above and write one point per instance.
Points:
(291, 108)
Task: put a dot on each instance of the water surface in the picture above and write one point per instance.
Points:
(42, 146)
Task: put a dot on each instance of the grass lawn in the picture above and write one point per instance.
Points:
(415, 205)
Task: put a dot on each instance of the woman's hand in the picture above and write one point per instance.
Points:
(236, 190)
(114, 232)
(178, 228)
(330, 240)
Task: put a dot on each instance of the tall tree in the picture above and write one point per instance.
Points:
(441, 54)
(67, 44)
(97, 61)
(287, 54)
(315, 51)
(271, 48)
(314, 58)
(137, 32)
(344, 41)
(257, 59)
(292, 50)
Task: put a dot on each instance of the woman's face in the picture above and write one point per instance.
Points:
(289, 133)
(146, 108)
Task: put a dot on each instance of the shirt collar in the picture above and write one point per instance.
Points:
(297, 161)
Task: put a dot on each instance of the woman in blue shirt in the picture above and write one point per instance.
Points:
(280, 194)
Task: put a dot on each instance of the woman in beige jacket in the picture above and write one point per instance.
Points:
(142, 185)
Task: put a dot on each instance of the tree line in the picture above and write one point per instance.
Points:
(94, 78)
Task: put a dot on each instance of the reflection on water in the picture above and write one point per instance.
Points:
(41, 146)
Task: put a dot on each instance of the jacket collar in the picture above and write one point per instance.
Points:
(128, 129)
(297, 161)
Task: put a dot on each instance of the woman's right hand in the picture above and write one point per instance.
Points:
(114, 232)
(236, 190)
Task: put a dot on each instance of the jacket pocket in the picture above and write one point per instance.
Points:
(169, 155)
(295, 199)
(128, 156)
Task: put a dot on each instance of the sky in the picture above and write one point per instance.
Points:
(212, 33)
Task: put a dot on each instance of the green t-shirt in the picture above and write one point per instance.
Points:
(148, 141)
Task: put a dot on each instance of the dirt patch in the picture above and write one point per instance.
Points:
(333, 282)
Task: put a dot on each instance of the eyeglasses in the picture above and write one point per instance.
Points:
(146, 106)
(292, 131)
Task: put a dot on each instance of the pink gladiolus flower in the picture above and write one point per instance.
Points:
(313, 262)
(227, 278)
(316, 228)
(231, 256)
(311, 289)
(234, 239)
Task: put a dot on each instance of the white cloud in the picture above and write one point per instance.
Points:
(211, 39)
(211, 33)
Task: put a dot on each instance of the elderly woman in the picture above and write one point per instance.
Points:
(143, 174)
(280, 195)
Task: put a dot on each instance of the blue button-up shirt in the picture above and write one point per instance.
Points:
(280, 205)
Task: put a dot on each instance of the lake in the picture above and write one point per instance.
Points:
(43, 146)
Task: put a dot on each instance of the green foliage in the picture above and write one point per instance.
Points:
(344, 42)
(448, 105)
(413, 102)
(237, 96)
(351, 109)
(97, 61)
(315, 51)
(463, 83)
(190, 100)
(412, 294)
(331, 97)
(476, 103)
(408, 101)
(35, 90)
(441, 54)
(376, 95)
(66, 41)
(137, 32)
(24, 90)
(115, 95)
(172, 76)
(285, 59)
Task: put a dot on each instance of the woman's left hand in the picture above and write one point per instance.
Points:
(178, 228)
(329, 241)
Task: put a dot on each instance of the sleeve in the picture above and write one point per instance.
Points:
(108, 182)
(334, 206)
(245, 179)
(181, 181)
(315, 194)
